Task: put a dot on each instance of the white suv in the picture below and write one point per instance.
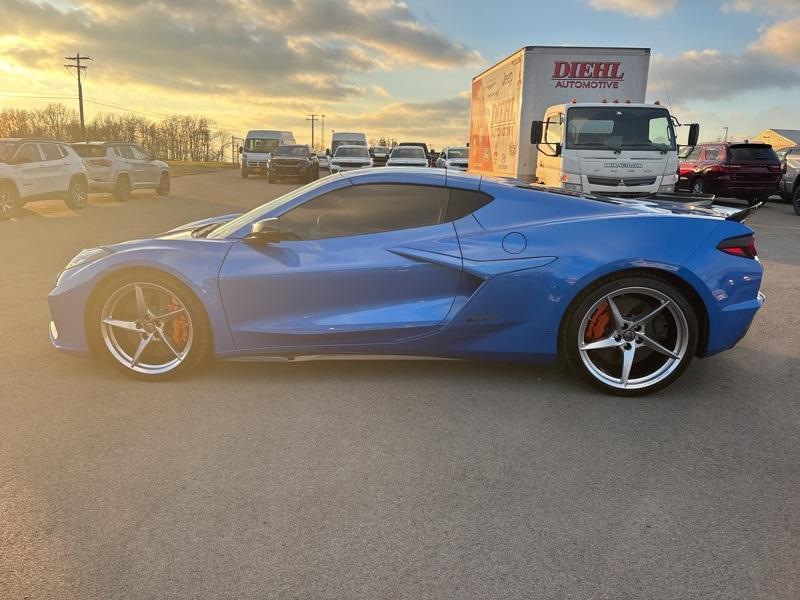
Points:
(119, 167)
(38, 169)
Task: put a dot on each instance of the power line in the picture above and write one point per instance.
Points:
(75, 63)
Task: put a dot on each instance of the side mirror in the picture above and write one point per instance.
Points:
(267, 232)
(241, 149)
(694, 134)
(312, 155)
(537, 129)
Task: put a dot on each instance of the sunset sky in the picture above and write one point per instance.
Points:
(401, 69)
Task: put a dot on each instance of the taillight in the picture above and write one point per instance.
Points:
(99, 162)
(744, 246)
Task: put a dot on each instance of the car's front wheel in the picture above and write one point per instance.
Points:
(77, 195)
(796, 200)
(631, 335)
(163, 185)
(149, 325)
(8, 201)
(699, 186)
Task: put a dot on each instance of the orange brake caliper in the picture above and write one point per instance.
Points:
(598, 324)
(180, 327)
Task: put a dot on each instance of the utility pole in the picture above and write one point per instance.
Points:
(313, 119)
(76, 64)
(726, 134)
(323, 132)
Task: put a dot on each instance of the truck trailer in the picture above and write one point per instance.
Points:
(576, 119)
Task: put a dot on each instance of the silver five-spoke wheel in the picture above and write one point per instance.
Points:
(632, 335)
(146, 328)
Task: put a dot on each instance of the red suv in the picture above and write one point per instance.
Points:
(747, 171)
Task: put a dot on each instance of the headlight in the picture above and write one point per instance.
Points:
(573, 187)
(666, 188)
(84, 257)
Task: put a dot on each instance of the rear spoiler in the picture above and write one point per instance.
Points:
(743, 214)
(684, 198)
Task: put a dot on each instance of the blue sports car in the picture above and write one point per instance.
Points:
(424, 262)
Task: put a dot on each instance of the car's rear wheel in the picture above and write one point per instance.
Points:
(164, 185)
(699, 186)
(77, 196)
(631, 335)
(8, 202)
(150, 326)
(796, 200)
(122, 189)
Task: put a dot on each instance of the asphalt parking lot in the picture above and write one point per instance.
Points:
(385, 479)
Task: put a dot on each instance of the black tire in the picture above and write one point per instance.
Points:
(588, 300)
(245, 173)
(77, 196)
(796, 200)
(698, 186)
(9, 201)
(201, 340)
(122, 189)
(164, 185)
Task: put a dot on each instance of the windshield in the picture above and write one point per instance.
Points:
(258, 212)
(336, 143)
(260, 145)
(619, 128)
(408, 152)
(298, 151)
(359, 152)
(6, 149)
(740, 154)
(457, 153)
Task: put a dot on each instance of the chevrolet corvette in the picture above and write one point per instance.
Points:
(429, 263)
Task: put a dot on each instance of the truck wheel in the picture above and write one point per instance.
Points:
(8, 202)
(796, 200)
(699, 186)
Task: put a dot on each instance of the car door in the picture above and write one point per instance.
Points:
(53, 174)
(144, 166)
(28, 167)
(127, 163)
(354, 276)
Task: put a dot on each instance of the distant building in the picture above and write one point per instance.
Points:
(779, 138)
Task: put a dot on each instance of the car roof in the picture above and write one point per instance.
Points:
(17, 140)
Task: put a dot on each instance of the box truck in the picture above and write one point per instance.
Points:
(347, 138)
(574, 118)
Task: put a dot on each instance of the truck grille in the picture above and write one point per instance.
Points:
(621, 181)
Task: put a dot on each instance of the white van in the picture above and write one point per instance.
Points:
(341, 138)
(258, 148)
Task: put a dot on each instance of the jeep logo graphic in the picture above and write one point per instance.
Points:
(580, 74)
(622, 165)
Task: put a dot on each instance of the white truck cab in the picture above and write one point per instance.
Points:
(574, 118)
(258, 148)
(610, 148)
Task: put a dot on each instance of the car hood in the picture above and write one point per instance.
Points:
(189, 227)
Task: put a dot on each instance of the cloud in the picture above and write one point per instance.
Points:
(379, 91)
(302, 49)
(715, 75)
(638, 8)
(770, 7)
(781, 40)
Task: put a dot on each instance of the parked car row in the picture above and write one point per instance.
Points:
(38, 169)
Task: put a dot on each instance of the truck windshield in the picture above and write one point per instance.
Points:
(344, 151)
(408, 152)
(260, 145)
(457, 153)
(619, 128)
(336, 143)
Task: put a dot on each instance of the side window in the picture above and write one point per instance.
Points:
(553, 130)
(50, 152)
(139, 154)
(713, 153)
(365, 209)
(28, 153)
(464, 202)
(124, 151)
(694, 154)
